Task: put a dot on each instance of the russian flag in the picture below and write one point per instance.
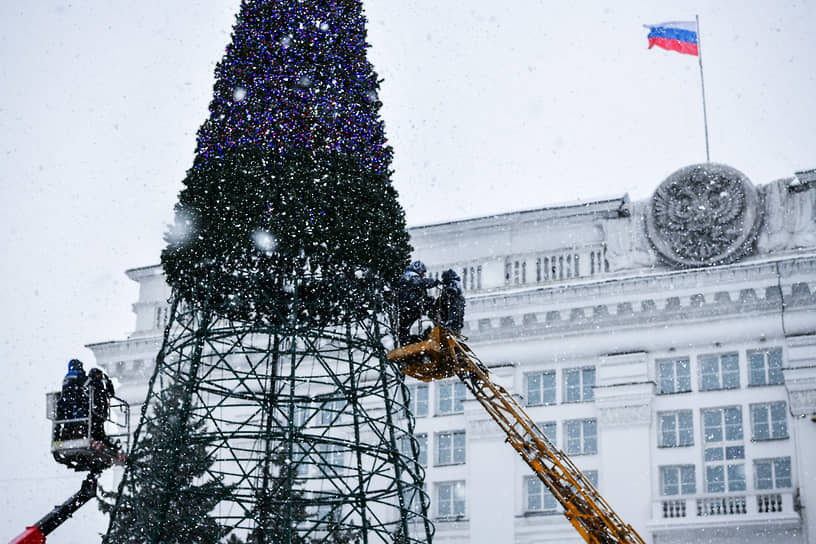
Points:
(680, 36)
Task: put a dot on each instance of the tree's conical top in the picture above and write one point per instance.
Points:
(291, 177)
(296, 77)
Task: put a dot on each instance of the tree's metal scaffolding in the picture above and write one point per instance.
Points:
(308, 425)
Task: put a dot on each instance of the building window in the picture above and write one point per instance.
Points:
(765, 367)
(539, 498)
(773, 473)
(719, 371)
(450, 448)
(578, 384)
(302, 415)
(329, 512)
(541, 388)
(769, 421)
(422, 443)
(508, 270)
(479, 277)
(419, 399)
(162, 316)
(548, 428)
(592, 477)
(450, 499)
(674, 375)
(581, 436)
(451, 396)
(422, 439)
(677, 480)
(331, 411)
(332, 455)
(676, 429)
(723, 452)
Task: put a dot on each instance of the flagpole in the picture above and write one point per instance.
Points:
(702, 86)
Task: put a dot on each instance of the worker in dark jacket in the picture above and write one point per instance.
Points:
(413, 299)
(451, 302)
(100, 389)
(73, 402)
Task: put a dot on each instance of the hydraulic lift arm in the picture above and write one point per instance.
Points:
(36, 533)
(444, 355)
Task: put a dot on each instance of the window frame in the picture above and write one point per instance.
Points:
(452, 437)
(583, 436)
(716, 452)
(422, 444)
(689, 431)
(331, 412)
(587, 393)
(768, 406)
(701, 362)
(455, 386)
(675, 378)
(540, 375)
(774, 479)
(453, 484)
(533, 486)
(544, 425)
(767, 371)
(413, 403)
(682, 488)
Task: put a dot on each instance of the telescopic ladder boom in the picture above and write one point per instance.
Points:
(444, 355)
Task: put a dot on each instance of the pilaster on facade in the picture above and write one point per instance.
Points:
(624, 390)
(800, 375)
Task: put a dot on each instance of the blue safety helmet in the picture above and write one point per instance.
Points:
(449, 276)
(74, 365)
(418, 267)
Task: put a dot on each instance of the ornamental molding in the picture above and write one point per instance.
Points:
(624, 416)
(764, 299)
(704, 215)
(635, 286)
(738, 289)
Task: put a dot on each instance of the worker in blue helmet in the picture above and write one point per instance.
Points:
(413, 299)
(73, 402)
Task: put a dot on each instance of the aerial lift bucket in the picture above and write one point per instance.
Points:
(429, 359)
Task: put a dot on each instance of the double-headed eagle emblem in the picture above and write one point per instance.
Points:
(703, 215)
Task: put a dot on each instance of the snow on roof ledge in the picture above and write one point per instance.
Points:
(142, 272)
(616, 203)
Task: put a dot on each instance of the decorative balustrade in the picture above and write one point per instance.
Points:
(702, 507)
(721, 506)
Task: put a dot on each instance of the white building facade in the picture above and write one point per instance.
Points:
(668, 346)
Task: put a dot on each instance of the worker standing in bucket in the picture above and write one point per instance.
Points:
(451, 302)
(413, 299)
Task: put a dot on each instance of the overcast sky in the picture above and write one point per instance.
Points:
(489, 108)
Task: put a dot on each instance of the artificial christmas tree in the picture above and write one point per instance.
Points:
(287, 233)
(185, 517)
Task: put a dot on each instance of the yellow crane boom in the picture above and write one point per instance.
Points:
(444, 355)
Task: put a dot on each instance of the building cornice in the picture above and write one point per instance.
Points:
(138, 274)
(634, 300)
(611, 207)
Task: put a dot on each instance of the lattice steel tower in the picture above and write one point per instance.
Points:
(273, 414)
